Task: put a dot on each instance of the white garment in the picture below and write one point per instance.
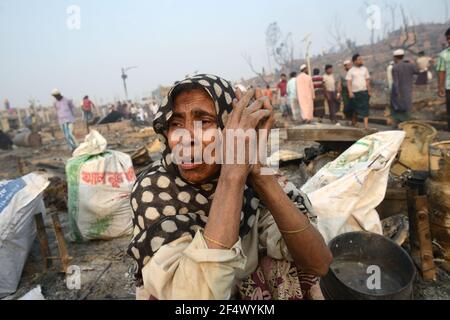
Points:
(291, 88)
(187, 269)
(423, 63)
(345, 192)
(358, 77)
(329, 82)
(390, 78)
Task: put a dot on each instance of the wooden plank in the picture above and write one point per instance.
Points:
(43, 241)
(420, 235)
(328, 133)
(393, 203)
(62, 248)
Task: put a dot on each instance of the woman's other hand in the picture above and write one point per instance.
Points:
(245, 119)
(266, 125)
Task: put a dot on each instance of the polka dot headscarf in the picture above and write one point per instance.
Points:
(165, 206)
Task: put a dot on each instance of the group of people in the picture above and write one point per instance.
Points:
(403, 74)
(65, 111)
(303, 97)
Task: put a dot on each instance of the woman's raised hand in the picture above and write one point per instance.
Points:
(240, 144)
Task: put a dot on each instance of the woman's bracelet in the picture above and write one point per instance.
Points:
(297, 231)
(216, 242)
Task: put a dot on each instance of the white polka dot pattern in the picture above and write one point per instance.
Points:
(147, 197)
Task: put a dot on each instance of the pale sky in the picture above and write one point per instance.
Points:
(165, 39)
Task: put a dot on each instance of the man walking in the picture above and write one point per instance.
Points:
(343, 92)
(358, 82)
(330, 93)
(66, 117)
(443, 69)
(282, 96)
(402, 88)
(88, 108)
(423, 63)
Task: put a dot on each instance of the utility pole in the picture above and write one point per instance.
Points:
(124, 79)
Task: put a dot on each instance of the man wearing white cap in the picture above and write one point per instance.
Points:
(66, 117)
(402, 88)
(306, 94)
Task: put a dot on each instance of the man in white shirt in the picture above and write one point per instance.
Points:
(330, 93)
(291, 90)
(423, 63)
(358, 82)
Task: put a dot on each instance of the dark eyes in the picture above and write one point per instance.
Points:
(175, 124)
(207, 121)
(180, 124)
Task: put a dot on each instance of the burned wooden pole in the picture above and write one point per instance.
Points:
(419, 225)
(62, 248)
(43, 241)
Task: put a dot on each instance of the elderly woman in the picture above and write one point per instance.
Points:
(206, 230)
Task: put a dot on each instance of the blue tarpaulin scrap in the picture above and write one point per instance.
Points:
(7, 191)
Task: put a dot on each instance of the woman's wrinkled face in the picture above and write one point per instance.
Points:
(190, 107)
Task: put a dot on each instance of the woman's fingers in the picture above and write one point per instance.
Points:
(233, 118)
(267, 125)
(239, 107)
(238, 94)
(244, 102)
(258, 93)
(256, 117)
(255, 106)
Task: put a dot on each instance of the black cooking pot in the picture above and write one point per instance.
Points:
(368, 266)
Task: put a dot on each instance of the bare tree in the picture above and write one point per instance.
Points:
(273, 34)
(337, 33)
(408, 35)
(279, 47)
(446, 18)
(371, 20)
(261, 74)
(392, 7)
(340, 41)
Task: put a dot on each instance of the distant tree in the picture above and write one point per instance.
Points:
(279, 47)
(446, 17)
(260, 74)
(407, 35)
(340, 41)
(391, 6)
